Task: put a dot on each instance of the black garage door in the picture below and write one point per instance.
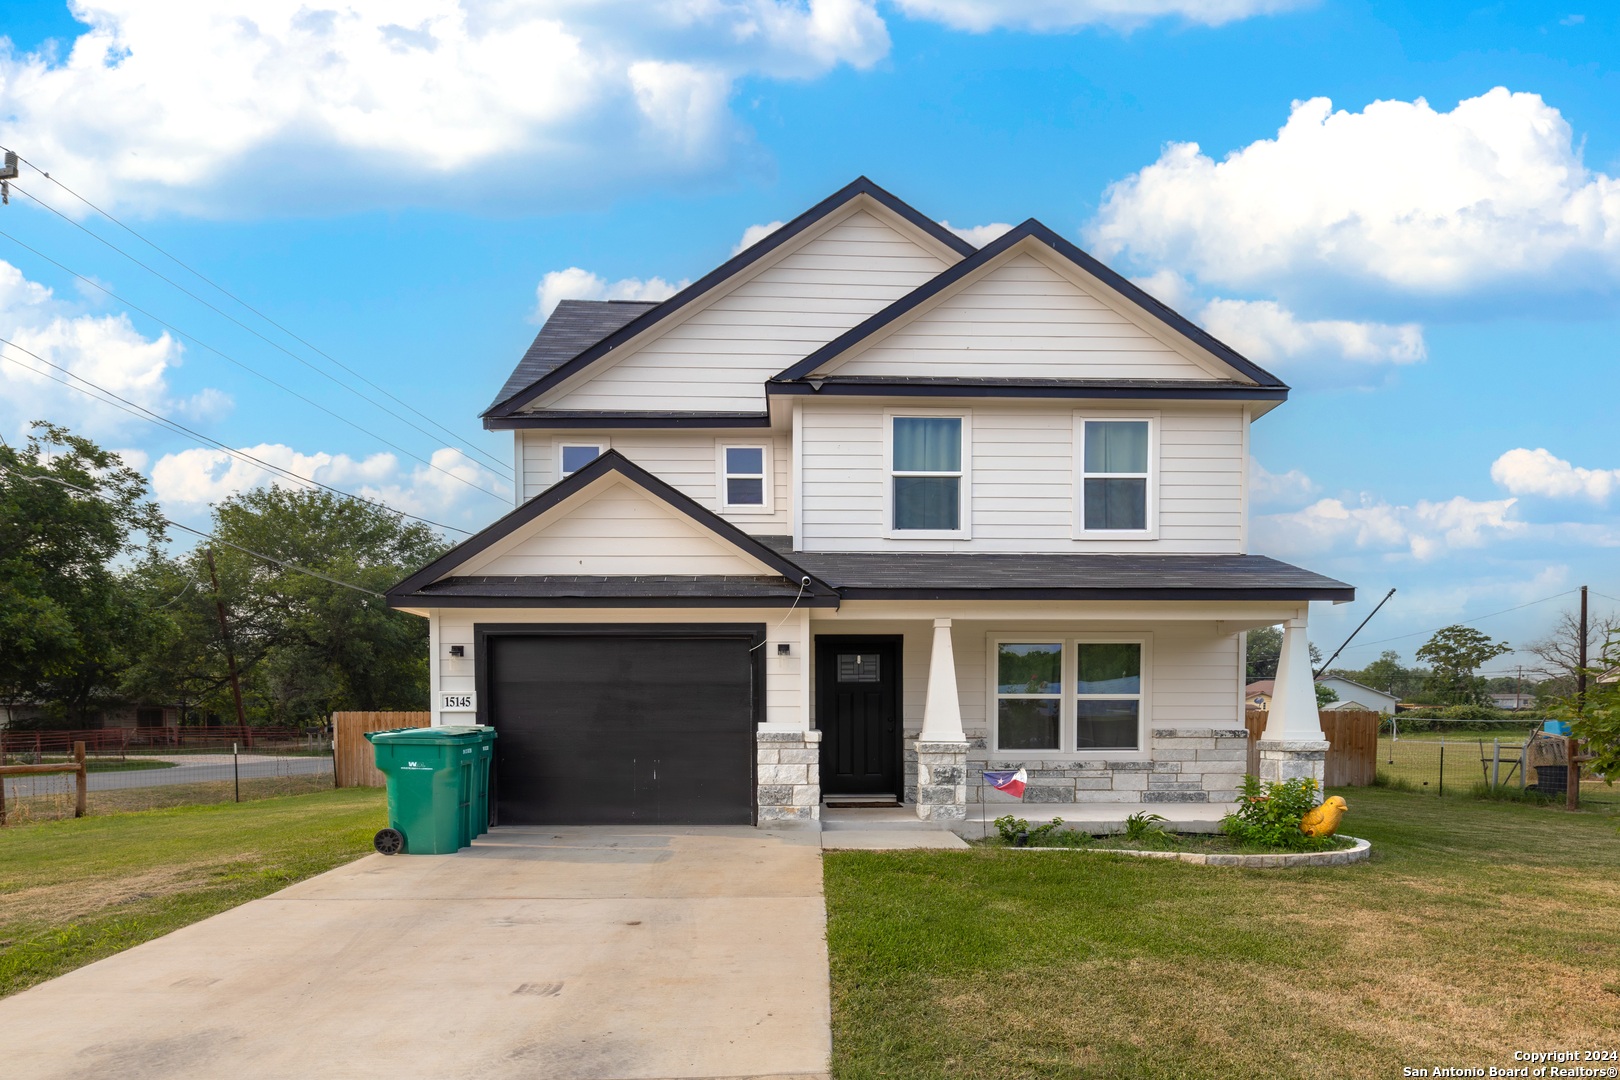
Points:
(622, 729)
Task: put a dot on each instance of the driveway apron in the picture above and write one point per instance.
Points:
(561, 953)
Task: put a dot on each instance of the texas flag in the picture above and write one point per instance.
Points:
(1013, 783)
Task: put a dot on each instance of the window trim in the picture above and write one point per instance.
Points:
(964, 475)
(1081, 417)
(767, 477)
(602, 446)
(1068, 696)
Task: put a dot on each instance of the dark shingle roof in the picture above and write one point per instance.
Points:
(573, 327)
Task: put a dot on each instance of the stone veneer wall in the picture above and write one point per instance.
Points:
(789, 784)
(1188, 765)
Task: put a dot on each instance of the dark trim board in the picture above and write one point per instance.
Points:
(923, 592)
(975, 389)
(577, 418)
(753, 633)
(571, 602)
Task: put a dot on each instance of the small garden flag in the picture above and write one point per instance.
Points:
(1013, 783)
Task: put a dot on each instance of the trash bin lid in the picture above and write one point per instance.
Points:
(458, 733)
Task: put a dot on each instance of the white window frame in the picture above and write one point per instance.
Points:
(1151, 476)
(1067, 713)
(768, 477)
(964, 491)
(602, 446)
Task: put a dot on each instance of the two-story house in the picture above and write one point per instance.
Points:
(859, 514)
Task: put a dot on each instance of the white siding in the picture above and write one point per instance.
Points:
(1022, 319)
(612, 528)
(783, 698)
(718, 359)
(1022, 472)
(685, 460)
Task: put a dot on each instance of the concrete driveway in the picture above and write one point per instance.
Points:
(564, 954)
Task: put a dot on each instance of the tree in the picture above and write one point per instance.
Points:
(1597, 719)
(1325, 695)
(1387, 673)
(1559, 653)
(1265, 649)
(68, 511)
(1455, 653)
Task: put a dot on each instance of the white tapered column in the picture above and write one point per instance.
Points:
(1292, 746)
(942, 746)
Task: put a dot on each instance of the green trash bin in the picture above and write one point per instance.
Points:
(479, 806)
(431, 787)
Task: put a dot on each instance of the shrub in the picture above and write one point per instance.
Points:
(1268, 815)
(1144, 826)
(1018, 832)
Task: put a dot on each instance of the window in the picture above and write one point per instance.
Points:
(926, 463)
(572, 457)
(1074, 695)
(743, 477)
(1115, 467)
(859, 667)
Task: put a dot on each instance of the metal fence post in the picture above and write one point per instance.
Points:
(236, 773)
(1442, 764)
(1496, 764)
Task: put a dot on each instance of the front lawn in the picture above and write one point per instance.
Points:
(74, 891)
(1478, 929)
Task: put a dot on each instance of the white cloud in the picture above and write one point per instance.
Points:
(1400, 195)
(576, 284)
(1168, 287)
(1539, 472)
(104, 349)
(198, 477)
(1424, 531)
(1266, 486)
(980, 235)
(1266, 332)
(270, 103)
(754, 234)
(1051, 15)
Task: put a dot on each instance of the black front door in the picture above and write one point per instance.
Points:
(858, 712)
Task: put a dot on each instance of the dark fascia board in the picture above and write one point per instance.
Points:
(420, 600)
(972, 388)
(737, 263)
(923, 592)
(610, 462)
(576, 418)
(1030, 230)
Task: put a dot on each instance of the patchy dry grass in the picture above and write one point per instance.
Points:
(72, 892)
(1478, 929)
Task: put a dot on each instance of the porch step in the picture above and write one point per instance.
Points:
(864, 802)
(887, 818)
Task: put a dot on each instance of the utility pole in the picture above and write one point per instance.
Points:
(225, 636)
(1572, 800)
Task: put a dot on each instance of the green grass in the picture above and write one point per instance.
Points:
(1413, 762)
(72, 892)
(1478, 929)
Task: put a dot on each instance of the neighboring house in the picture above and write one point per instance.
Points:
(1257, 695)
(861, 513)
(1352, 695)
(1514, 702)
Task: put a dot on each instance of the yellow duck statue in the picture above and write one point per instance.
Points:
(1324, 820)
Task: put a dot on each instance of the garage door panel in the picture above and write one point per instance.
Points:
(622, 729)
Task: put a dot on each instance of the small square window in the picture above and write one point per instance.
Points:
(743, 469)
(575, 456)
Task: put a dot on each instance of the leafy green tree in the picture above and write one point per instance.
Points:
(68, 511)
(1264, 651)
(1325, 695)
(1455, 653)
(1597, 719)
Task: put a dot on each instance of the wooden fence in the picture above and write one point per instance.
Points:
(1352, 736)
(351, 753)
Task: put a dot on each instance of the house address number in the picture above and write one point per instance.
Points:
(458, 702)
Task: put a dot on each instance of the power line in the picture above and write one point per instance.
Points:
(143, 413)
(284, 564)
(273, 344)
(1465, 622)
(250, 369)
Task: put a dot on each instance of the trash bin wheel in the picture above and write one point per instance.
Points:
(389, 841)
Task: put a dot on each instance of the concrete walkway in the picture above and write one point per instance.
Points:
(564, 954)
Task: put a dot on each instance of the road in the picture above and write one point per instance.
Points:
(196, 769)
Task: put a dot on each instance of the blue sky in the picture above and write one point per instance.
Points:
(1432, 261)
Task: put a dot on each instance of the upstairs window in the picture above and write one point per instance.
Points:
(1116, 482)
(744, 472)
(926, 466)
(572, 457)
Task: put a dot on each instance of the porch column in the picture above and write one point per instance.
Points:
(1292, 747)
(942, 747)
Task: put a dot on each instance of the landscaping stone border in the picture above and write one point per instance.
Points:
(1361, 852)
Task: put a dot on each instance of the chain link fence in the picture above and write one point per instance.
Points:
(146, 769)
(1497, 760)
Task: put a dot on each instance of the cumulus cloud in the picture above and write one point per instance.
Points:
(1267, 332)
(1057, 15)
(1266, 486)
(754, 234)
(1539, 472)
(1398, 195)
(104, 349)
(262, 103)
(980, 235)
(576, 284)
(198, 477)
(1424, 530)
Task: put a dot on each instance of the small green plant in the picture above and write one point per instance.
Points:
(1268, 815)
(1393, 783)
(1144, 826)
(1512, 793)
(1018, 832)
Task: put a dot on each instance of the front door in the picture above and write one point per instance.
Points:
(858, 712)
